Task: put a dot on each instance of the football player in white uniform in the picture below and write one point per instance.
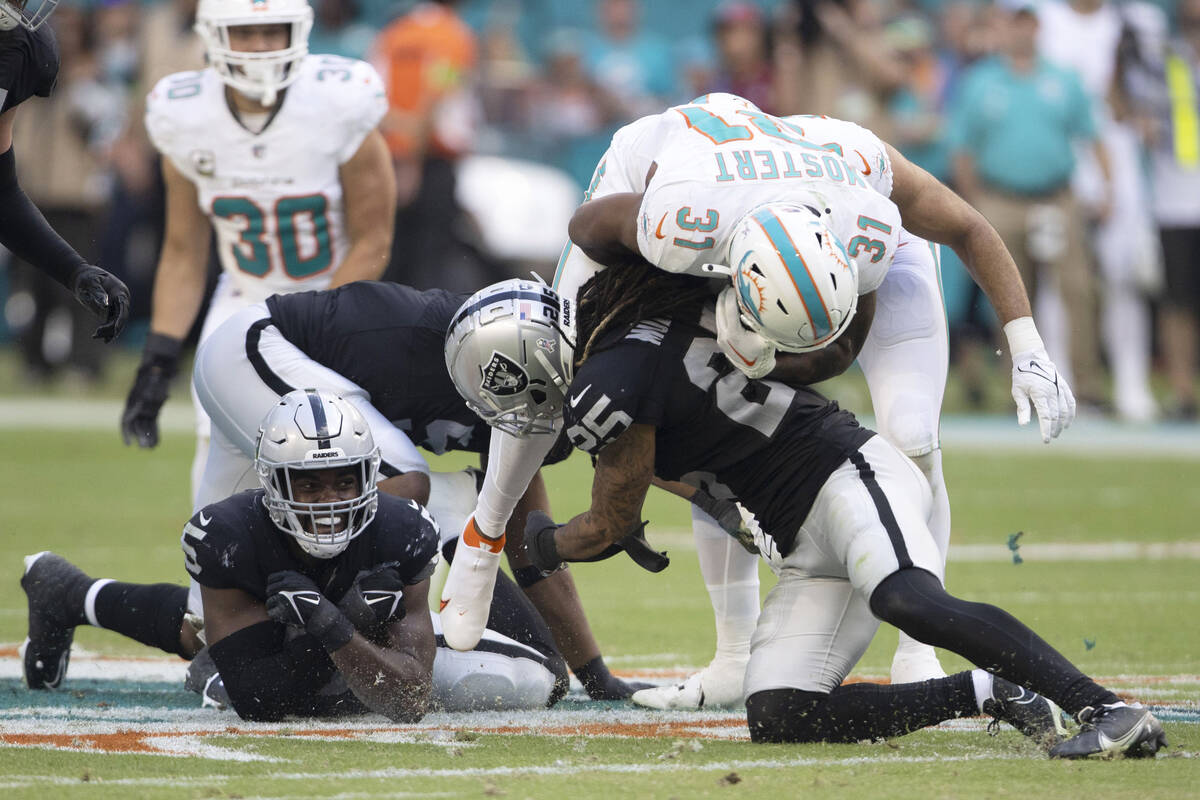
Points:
(772, 159)
(275, 150)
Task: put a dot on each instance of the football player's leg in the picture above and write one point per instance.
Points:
(61, 597)
(500, 674)
(467, 593)
(904, 360)
(731, 576)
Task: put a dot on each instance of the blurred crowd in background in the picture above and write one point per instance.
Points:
(1074, 126)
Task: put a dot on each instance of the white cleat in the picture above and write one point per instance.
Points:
(467, 593)
(718, 686)
(913, 664)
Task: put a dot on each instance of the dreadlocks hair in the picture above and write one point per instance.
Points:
(624, 295)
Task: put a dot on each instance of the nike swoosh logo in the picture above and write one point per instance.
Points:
(204, 520)
(658, 231)
(745, 360)
(575, 400)
(1040, 371)
(442, 605)
(866, 167)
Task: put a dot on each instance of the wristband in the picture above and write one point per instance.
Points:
(1023, 336)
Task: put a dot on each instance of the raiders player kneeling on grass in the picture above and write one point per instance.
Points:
(839, 513)
(314, 587)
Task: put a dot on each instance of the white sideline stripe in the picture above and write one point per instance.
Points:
(557, 769)
(995, 433)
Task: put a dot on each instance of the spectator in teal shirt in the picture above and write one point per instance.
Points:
(1013, 124)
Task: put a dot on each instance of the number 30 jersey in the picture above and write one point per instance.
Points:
(274, 198)
(766, 444)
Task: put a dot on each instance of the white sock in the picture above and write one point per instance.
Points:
(983, 686)
(512, 463)
(731, 577)
(89, 602)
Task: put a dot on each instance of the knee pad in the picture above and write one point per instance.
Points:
(782, 715)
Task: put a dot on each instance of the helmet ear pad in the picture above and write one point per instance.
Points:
(317, 429)
(509, 351)
(796, 285)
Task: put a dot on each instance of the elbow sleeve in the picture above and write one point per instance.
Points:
(268, 676)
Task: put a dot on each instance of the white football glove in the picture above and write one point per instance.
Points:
(744, 348)
(1036, 381)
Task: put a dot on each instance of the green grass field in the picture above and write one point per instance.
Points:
(1130, 620)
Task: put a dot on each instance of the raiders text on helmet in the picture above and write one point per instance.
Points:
(311, 429)
(509, 353)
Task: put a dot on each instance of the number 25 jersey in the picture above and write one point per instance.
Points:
(274, 198)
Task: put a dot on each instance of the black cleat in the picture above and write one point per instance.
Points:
(1114, 729)
(54, 586)
(1029, 712)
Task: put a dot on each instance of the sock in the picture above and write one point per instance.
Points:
(512, 463)
(982, 679)
(148, 613)
(858, 711)
(731, 577)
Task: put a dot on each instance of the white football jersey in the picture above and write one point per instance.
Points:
(715, 164)
(274, 197)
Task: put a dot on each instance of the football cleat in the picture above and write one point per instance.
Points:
(1028, 712)
(715, 686)
(467, 594)
(203, 679)
(1113, 729)
(53, 587)
(915, 662)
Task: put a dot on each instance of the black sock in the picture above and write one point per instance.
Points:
(148, 613)
(914, 601)
(858, 711)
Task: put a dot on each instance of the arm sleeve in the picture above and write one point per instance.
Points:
(25, 232)
(269, 677)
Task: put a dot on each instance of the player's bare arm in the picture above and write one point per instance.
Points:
(369, 191)
(413, 485)
(394, 678)
(180, 279)
(805, 369)
(932, 211)
(624, 471)
(227, 611)
(606, 228)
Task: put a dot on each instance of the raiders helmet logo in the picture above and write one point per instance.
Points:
(503, 377)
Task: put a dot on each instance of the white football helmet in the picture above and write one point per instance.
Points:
(29, 14)
(509, 351)
(796, 285)
(311, 429)
(257, 75)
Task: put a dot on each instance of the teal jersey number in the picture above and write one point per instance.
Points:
(251, 251)
(859, 243)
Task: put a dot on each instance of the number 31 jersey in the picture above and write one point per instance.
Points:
(274, 198)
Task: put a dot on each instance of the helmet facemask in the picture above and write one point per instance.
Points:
(257, 75)
(15, 13)
(312, 431)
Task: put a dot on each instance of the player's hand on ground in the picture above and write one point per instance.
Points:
(1037, 383)
(744, 348)
(160, 361)
(106, 296)
(293, 599)
(375, 599)
(610, 687)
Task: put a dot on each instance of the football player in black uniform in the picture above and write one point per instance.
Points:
(380, 345)
(314, 590)
(28, 67)
(838, 512)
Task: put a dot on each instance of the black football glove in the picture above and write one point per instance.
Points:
(543, 552)
(375, 599)
(160, 361)
(293, 599)
(104, 295)
(727, 515)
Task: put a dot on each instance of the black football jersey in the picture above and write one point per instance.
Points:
(28, 65)
(766, 444)
(390, 340)
(233, 544)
